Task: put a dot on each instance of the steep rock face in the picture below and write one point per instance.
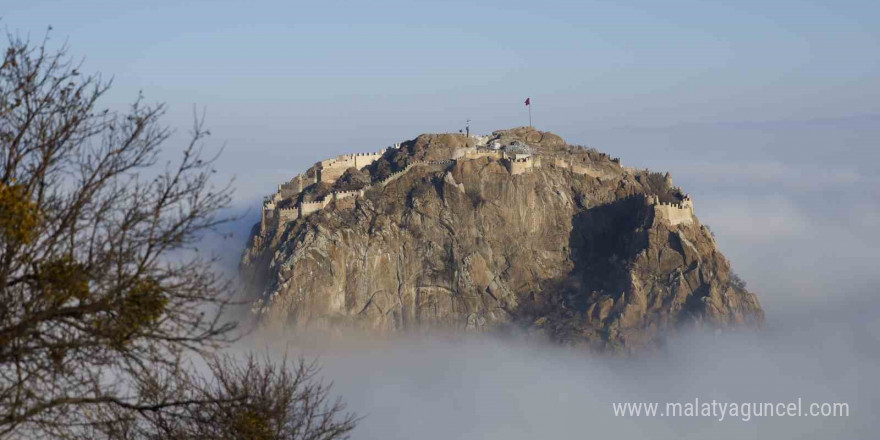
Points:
(470, 246)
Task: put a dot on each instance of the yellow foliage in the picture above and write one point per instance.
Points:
(146, 300)
(248, 424)
(18, 214)
(62, 279)
(141, 305)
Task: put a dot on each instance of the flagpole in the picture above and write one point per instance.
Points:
(529, 105)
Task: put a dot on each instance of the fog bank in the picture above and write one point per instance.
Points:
(794, 206)
(488, 388)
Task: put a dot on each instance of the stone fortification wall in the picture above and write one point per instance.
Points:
(586, 170)
(325, 171)
(363, 159)
(267, 216)
(346, 194)
(520, 165)
(332, 169)
(583, 166)
(477, 153)
(287, 215)
(345, 199)
(674, 213)
(561, 163)
(271, 219)
(306, 208)
(295, 186)
(400, 173)
(274, 218)
(331, 174)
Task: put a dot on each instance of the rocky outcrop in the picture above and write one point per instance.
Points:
(613, 258)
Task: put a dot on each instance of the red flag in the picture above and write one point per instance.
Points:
(528, 102)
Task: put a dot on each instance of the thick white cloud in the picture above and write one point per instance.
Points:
(802, 232)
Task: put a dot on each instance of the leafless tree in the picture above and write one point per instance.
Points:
(254, 400)
(102, 292)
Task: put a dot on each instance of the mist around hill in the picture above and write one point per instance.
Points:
(798, 227)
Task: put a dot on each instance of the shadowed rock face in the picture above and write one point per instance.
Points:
(468, 246)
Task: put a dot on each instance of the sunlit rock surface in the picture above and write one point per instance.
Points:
(515, 231)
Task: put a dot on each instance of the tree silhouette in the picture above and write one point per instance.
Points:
(102, 295)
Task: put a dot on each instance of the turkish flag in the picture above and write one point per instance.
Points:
(528, 101)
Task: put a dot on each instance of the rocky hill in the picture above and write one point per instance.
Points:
(515, 230)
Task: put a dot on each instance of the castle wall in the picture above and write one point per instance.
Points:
(306, 208)
(296, 185)
(332, 173)
(673, 213)
(582, 167)
(585, 170)
(267, 218)
(331, 169)
(519, 166)
(347, 194)
(364, 159)
(394, 176)
(291, 188)
(480, 152)
(287, 215)
(344, 161)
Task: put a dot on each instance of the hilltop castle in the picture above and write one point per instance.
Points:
(518, 229)
(287, 204)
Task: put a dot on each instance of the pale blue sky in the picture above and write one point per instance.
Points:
(269, 71)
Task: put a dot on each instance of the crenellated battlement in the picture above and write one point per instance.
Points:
(477, 153)
(272, 219)
(267, 214)
(585, 166)
(396, 175)
(295, 186)
(674, 213)
(521, 163)
(287, 215)
(331, 169)
(306, 208)
(346, 194)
